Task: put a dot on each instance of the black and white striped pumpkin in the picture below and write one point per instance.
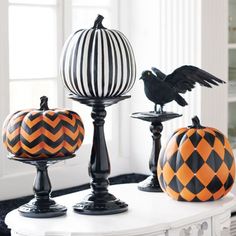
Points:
(98, 62)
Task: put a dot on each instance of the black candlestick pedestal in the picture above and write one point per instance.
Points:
(151, 183)
(99, 201)
(42, 206)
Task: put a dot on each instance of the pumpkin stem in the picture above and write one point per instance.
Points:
(98, 23)
(44, 103)
(196, 123)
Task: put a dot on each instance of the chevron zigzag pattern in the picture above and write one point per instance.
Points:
(36, 133)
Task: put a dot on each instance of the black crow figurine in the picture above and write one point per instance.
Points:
(161, 89)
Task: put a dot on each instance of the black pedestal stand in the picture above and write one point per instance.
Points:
(99, 201)
(42, 206)
(151, 183)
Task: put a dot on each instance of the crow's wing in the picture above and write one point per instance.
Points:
(185, 77)
(158, 73)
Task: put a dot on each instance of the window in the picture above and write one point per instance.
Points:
(36, 31)
(33, 53)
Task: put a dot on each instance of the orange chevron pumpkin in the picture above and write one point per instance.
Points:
(43, 132)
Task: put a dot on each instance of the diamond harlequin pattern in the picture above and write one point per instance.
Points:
(197, 164)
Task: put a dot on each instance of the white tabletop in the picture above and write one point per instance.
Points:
(147, 213)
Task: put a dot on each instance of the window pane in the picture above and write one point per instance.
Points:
(32, 42)
(41, 2)
(26, 94)
(91, 3)
(83, 18)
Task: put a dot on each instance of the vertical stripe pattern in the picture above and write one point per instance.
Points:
(98, 63)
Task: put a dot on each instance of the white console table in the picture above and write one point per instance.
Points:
(149, 214)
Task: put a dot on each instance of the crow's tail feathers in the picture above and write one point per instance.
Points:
(180, 100)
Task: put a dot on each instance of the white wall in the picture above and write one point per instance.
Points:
(214, 58)
(165, 34)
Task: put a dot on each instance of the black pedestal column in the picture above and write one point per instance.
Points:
(151, 183)
(99, 201)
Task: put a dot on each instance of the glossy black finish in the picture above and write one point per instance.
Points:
(99, 201)
(42, 206)
(151, 184)
(97, 101)
(152, 116)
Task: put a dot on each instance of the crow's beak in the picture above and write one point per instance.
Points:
(141, 78)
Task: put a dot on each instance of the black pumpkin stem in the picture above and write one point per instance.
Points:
(196, 123)
(98, 23)
(44, 103)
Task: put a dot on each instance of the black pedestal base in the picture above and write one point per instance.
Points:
(42, 206)
(150, 184)
(46, 210)
(100, 205)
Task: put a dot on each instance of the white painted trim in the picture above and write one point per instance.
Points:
(60, 42)
(67, 26)
(4, 74)
(30, 79)
(214, 58)
(123, 17)
(232, 99)
(31, 5)
(232, 46)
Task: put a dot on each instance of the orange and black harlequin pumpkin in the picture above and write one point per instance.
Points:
(43, 133)
(197, 164)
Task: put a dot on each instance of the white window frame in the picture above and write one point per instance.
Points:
(71, 172)
(59, 22)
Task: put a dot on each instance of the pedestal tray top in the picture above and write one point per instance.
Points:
(30, 160)
(91, 101)
(152, 116)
